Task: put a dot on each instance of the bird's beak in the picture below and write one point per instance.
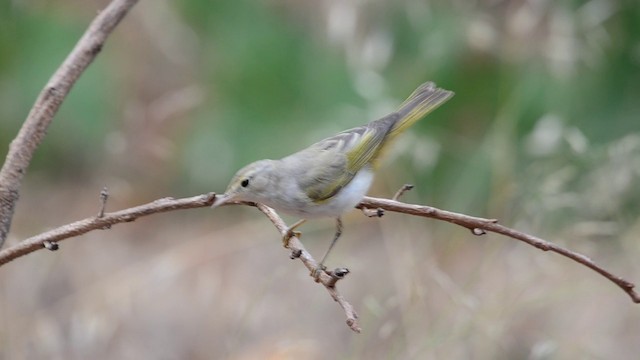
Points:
(220, 200)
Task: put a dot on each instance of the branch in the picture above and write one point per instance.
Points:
(102, 222)
(478, 226)
(47, 104)
(327, 279)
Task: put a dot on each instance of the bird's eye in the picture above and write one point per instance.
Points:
(244, 183)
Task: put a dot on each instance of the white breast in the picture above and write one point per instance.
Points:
(344, 200)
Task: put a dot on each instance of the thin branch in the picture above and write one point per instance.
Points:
(401, 191)
(56, 90)
(47, 104)
(98, 223)
(476, 224)
(328, 280)
(104, 196)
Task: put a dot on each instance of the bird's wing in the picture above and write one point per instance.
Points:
(339, 158)
(336, 160)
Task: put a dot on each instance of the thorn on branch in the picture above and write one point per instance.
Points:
(401, 191)
(51, 245)
(104, 196)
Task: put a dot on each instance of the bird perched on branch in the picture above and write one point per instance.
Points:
(331, 176)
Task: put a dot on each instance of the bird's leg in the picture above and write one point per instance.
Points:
(290, 232)
(320, 268)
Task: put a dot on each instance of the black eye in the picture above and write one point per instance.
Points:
(244, 183)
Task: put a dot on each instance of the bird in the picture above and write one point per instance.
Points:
(333, 175)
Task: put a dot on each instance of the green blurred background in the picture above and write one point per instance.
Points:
(543, 133)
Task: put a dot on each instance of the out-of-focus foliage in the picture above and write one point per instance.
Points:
(543, 133)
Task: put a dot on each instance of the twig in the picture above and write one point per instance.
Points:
(475, 223)
(58, 87)
(47, 104)
(379, 212)
(401, 191)
(328, 280)
(97, 223)
(104, 196)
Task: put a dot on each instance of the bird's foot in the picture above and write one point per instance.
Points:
(290, 233)
(317, 272)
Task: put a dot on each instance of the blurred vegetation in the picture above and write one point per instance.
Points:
(543, 133)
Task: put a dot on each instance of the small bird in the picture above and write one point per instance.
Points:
(331, 176)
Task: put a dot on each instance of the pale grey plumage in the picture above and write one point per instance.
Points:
(332, 175)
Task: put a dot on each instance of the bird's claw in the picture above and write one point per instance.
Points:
(290, 233)
(317, 272)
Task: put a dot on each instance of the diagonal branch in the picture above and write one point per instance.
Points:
(478, 226)
(298, 251)
(47, 104)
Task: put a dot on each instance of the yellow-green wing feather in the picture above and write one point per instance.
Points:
(339, 158)
(370, 142)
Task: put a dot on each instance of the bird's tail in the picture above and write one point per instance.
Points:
(426, 98)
